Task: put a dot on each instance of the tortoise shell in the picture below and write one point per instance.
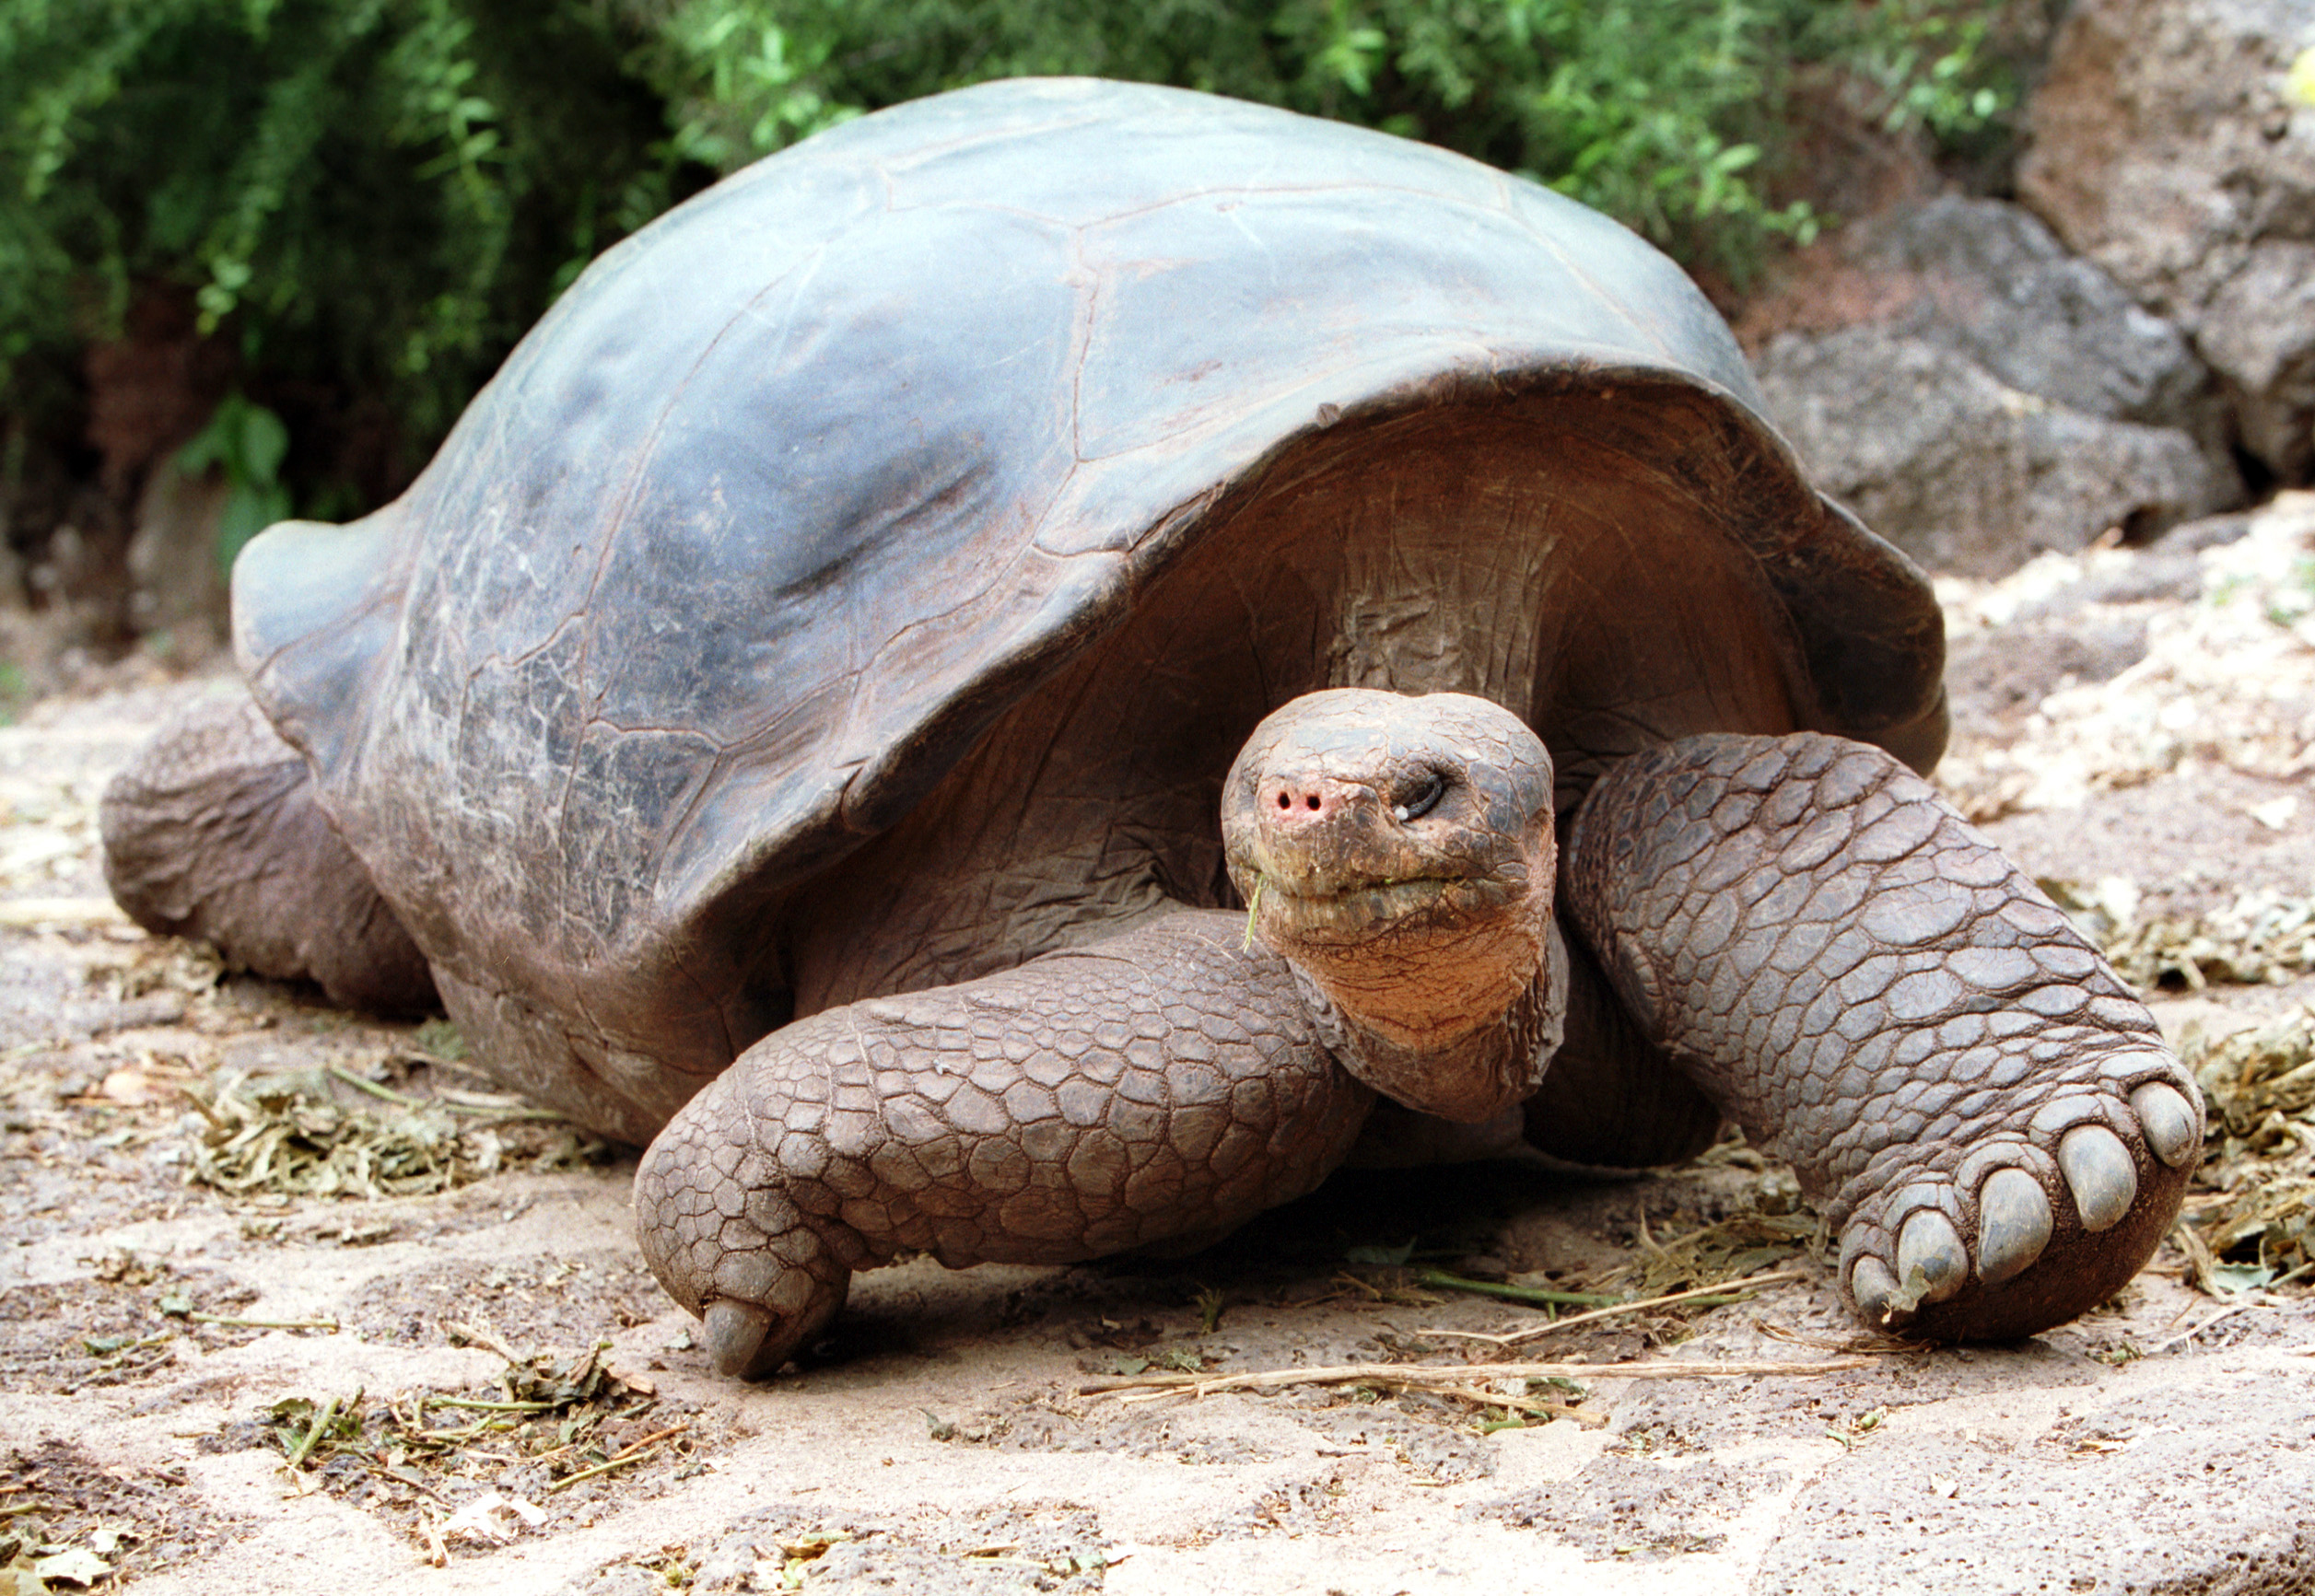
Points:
(1006, 455)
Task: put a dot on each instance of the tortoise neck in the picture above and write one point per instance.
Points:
(1468, 1069)
(1415, 611)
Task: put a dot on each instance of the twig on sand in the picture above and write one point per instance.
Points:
(625, 1455)
(1438, 1376)
(2185, 1336)
(1726, 1291)
(1534, 1295)
(321, 1420)
(1588, 1417)
(484, 1336)
(474, 1102)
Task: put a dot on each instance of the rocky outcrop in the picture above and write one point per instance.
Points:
(2168, 148)
(1978, 394)
(1997, 286)
(1961, 470)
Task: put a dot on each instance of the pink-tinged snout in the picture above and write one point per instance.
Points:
(1303, 800)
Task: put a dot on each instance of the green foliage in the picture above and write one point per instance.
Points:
(375, 194)
(247, 442)
(1664, 113)
(375, 197)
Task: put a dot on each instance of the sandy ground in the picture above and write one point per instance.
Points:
(2136, 727)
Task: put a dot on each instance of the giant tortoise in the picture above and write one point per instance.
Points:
(790, 717)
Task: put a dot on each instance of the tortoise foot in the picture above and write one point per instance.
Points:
(214, 833)
(732, 1247)
(2042, 1213)
(1855, 975)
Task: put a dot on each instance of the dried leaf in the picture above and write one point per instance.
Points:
(2260, 940)
(2259, 1155)
(494, 1518)
(1742, 1244)
(73, 1566)
(285, 1134)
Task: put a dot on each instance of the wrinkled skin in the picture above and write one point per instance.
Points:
(214, 835)
(1795, 925)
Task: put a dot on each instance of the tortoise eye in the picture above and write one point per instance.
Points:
(1423, 799)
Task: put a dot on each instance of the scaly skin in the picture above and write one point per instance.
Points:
(1987, 1114)
(1163, 1085)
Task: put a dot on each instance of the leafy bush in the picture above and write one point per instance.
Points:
(374, 194)
(375, 197)
(1663, 113)
(246, 442)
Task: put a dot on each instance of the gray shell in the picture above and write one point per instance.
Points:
(799, 489)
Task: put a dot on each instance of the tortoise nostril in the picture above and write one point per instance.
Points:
(1298, 800)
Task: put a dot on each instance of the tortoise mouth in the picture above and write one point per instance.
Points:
(1307, 913)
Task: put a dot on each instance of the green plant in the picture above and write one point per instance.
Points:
(1930, 59)
(370, 196)
(246, 442)
(1666, 114)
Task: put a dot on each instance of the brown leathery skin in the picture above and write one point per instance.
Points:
(211, 833)
(1398, 851)
(1987, 1114)
(1611, 1099)
(1162, 1084)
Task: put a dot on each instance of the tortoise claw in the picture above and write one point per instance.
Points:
(2100, 1173)
(1879, 1299)
(2013, 1224)
(1931, 1246)
(735, 1334)
(2170, 1126)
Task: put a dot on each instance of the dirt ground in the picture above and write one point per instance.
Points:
(293, 1300)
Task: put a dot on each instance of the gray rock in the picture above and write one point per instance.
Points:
(1980, 393)
(175, 580)
(2258, 328)
(2167, 149)
(1997, 286)
(2210, 532)
(1965, 473)
(2199, 1488)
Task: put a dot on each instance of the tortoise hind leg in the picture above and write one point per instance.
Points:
(213, 833)
(1987, 1114)
(1163, 1084)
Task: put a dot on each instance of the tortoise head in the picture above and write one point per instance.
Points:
(1398, 851)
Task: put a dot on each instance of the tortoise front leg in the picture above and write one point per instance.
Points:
(1160, 1085)
(1987, 1114)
